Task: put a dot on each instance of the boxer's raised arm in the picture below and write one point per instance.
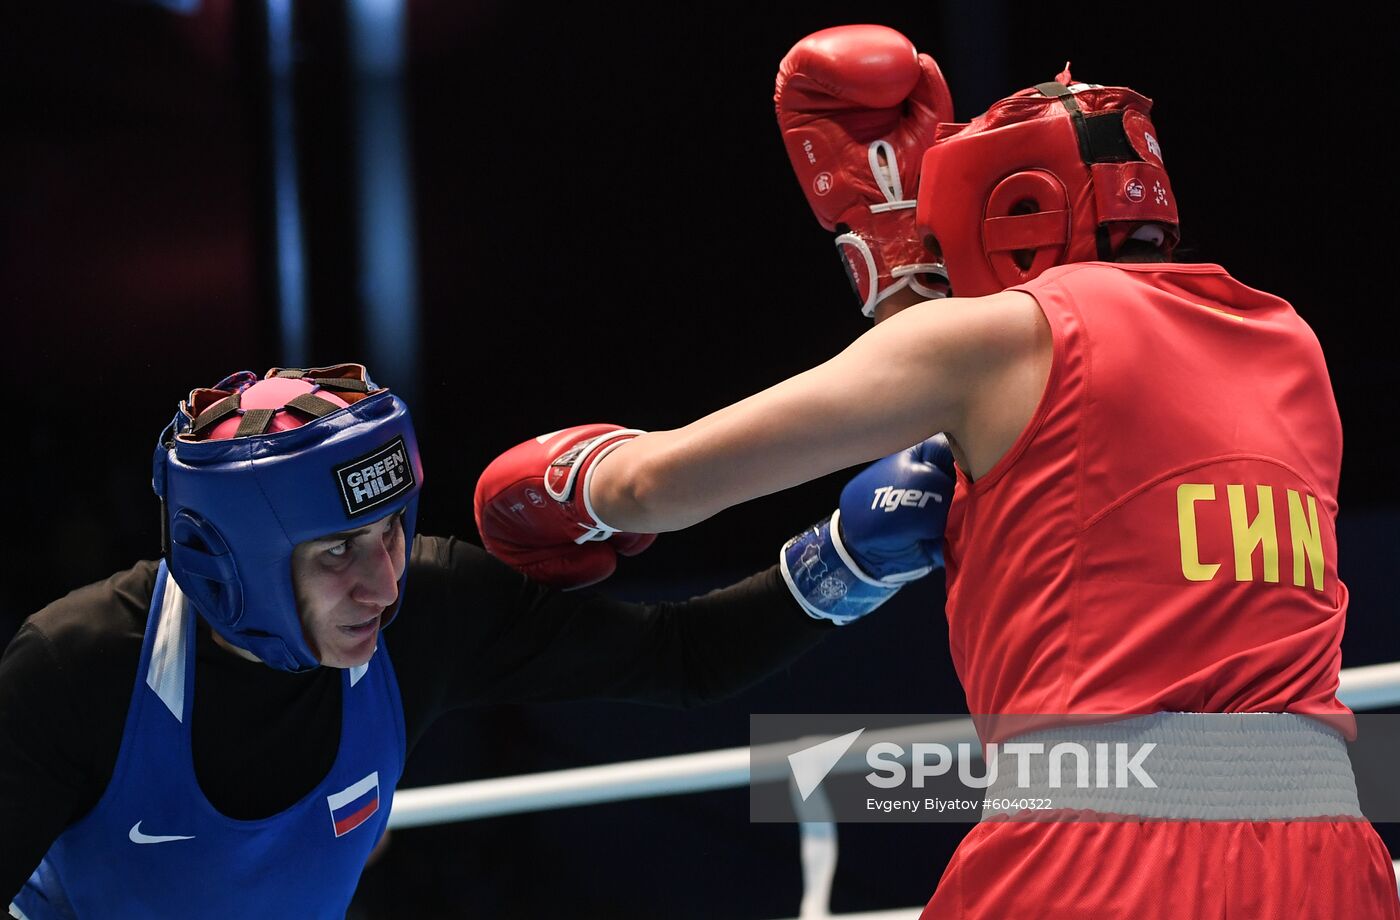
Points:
(922, 371)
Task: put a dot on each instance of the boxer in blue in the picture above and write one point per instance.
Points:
(221, 731)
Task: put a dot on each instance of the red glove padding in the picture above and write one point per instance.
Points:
(531, 506)
(857, 107)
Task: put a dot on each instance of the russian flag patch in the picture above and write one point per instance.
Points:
(353, 805)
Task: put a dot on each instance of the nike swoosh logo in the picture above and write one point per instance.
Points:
(138, 837)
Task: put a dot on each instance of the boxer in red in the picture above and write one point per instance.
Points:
(1148, 456)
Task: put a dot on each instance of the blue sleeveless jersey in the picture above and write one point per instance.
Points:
(154, 847)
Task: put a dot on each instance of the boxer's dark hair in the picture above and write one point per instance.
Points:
(1140, 251)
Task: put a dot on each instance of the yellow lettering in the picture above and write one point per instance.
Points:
(1250, 534)
(1307, 539)
(1187, 494)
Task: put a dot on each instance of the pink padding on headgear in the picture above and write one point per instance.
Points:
(273, 393)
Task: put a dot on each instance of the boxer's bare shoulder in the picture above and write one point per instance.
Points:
(931, 368)
(1016, 349)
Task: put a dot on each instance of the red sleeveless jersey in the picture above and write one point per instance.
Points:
(1161, 535)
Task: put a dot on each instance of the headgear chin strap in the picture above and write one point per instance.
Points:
(327, 453)
(1062, 172)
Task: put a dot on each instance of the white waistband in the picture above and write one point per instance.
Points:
(1198, 766)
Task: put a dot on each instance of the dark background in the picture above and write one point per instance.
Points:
(605, 227)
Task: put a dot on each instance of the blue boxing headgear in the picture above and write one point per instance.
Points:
(338, 455)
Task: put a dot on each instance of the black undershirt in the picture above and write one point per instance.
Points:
(470, 632)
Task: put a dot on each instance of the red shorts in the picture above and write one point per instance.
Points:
(1154, 870)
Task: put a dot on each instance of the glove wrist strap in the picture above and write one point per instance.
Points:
(881, 259)
(571, 475)
(825, 580)
(601, 530)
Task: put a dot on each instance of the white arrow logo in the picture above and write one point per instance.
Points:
(811, 765)
(138, 837)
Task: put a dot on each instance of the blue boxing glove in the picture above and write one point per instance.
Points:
(893, 513)
(887, 531)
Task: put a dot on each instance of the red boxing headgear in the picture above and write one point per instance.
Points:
(1062, 172)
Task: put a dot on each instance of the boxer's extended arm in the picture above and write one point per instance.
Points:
(973, 368)
(477, 632)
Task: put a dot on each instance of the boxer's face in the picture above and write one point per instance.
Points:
(344, 583)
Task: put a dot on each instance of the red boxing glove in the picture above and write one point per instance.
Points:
(858, 106)
(532, 509)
